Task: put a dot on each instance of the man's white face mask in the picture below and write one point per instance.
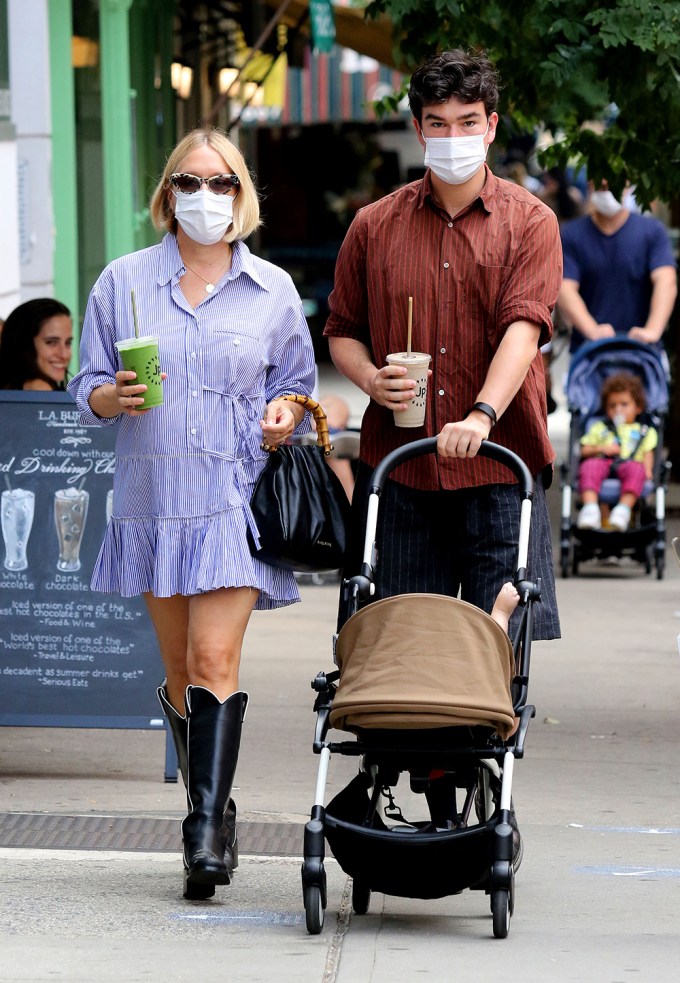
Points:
(605, 203)
(455, 159)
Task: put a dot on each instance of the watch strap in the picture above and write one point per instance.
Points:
(485, 408)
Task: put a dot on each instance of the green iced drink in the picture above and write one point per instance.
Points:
(140, 355)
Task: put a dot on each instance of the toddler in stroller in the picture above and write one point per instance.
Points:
(619, 446)
(433, 688)
(635, 489)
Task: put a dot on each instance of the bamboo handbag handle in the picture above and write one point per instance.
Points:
(315, 408)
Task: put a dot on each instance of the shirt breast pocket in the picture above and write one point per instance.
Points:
(235, 361)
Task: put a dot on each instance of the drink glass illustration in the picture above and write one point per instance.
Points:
(18, 506)
(70, 513)
(109, 505)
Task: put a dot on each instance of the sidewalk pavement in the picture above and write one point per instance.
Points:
(89, 831)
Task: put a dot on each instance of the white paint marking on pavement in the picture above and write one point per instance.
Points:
(632, 873)
(647, 830)
(240, 917)
(611, 871)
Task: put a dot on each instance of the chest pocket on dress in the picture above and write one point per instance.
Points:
(234, 360)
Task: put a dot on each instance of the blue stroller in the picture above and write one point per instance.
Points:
(645, 540)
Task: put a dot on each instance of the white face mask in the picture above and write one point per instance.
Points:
(605, 203)
(204, 216)
(455, 159)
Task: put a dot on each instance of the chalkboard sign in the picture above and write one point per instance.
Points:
(69, 657)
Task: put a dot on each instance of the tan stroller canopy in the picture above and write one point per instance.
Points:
(418, 661)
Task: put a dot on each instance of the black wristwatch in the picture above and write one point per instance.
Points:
(485, 408)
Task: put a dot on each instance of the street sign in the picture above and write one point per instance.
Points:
(323, 25)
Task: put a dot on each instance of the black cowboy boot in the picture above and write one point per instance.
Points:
(178, 729)
(214, 736)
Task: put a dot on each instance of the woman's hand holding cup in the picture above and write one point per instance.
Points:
(130, 395)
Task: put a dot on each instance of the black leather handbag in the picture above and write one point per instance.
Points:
(299, 505)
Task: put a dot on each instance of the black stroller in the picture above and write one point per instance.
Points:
(645, 540)
(431, 686)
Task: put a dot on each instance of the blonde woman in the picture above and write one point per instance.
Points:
(232, 340)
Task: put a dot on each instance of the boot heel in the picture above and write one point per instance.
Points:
(196, 892)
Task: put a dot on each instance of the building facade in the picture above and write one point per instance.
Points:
(93, 94)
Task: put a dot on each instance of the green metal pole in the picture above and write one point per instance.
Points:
(64, 165)
(119, 237)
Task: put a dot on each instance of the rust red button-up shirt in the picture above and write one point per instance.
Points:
(497, 261)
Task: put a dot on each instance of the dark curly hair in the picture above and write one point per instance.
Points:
(624, 382)
(467, 76)
(18, 363)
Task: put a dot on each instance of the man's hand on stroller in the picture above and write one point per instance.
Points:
(647, 335)
(602, 331)
(463, 439)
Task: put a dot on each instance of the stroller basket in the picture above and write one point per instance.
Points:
(408, 862)
(423, 661)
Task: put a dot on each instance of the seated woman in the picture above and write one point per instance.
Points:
(35, 346)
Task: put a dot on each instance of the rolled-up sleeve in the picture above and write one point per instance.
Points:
(531, 289)
(98, 356)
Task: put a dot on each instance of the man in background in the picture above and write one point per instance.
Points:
(619, 274)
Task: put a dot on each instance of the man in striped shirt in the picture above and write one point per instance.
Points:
(481, 259)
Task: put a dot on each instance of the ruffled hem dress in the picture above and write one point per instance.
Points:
(185, 470)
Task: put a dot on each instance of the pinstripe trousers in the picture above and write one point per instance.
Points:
(458, 543)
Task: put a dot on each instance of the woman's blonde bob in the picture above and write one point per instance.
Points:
(246, 203)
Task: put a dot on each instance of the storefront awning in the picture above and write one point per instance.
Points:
(374, 38)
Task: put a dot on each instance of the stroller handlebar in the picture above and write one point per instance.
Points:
(428, 445)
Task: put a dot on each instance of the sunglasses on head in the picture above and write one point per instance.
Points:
(219, 184)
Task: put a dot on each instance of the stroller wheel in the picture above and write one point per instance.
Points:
(500, 912)
(565, 560)
(660, 564)
(361, 897)
(314, 913)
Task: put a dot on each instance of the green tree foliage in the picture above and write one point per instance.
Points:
(565, 64)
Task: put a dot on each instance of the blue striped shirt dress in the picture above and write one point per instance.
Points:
(185, 470)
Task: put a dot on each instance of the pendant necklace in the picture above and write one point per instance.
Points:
(209, 285)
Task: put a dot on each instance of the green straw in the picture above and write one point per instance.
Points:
(134, 313)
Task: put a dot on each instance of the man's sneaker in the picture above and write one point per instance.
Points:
(589, 517)
(619, 517)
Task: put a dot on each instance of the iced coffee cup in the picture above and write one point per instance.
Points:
(418, 364)
(140, 355)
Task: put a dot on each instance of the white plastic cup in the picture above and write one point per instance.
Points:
(418, 364)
